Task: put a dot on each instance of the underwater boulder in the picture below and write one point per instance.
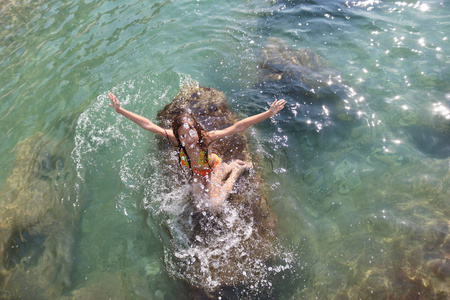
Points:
(433, 141)
(318, 99)
(300, 67)
(428, 128)
(303, 74)
(229, 249)
(36, 226)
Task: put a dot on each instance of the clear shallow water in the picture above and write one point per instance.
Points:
(363, 206)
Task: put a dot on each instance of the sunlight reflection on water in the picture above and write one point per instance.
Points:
(357, 167)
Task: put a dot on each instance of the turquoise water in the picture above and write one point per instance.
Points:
(362, 203)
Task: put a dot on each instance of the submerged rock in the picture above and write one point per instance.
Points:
(229, 249)
(430, 140)
(301, 67)
(108, 286)
(304, 76)
(427, 127)
(36, 225)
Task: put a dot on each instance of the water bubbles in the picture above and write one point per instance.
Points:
(279, 170)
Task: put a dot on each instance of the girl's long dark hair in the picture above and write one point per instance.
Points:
(179, 121)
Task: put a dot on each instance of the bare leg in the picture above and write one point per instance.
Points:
(222, 171)
(222, 183)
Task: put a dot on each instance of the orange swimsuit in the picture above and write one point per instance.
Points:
(201, 162)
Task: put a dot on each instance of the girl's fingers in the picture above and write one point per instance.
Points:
(112, 97)
(280, 103)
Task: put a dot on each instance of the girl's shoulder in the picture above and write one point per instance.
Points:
(214, 159)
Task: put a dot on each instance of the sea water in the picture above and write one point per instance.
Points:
(362, 206)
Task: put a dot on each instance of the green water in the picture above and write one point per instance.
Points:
(362, 206)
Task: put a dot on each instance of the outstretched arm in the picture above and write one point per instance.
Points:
(240, 126)
(141, 121)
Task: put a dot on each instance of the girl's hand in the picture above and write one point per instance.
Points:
(114, 102)
(276, 106)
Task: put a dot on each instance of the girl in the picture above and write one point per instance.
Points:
(212, 179)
